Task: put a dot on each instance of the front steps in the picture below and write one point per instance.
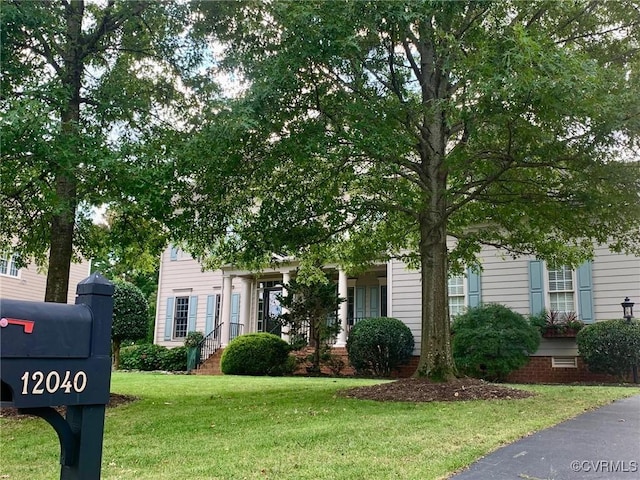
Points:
(211, 366)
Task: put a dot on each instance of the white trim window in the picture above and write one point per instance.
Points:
(8, 266)
(456, 296)
(181, 317)
(561, 289)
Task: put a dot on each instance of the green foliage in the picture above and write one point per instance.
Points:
(175, 359)
(401, 124)
(491, 341)
(311, 304)
(556, 322)
(611, 346)
(75, 78)
(129, 312)
(193, 339)
(150, 357)
(378, 345)
(256, 354)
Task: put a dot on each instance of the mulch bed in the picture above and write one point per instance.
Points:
(115, 400)
(422, 390)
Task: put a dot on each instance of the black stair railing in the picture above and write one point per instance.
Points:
(210, 344)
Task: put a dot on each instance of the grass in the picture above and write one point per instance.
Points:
(226, 427)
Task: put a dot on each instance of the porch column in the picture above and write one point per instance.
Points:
(343, 310)
(225, 312)
(286, 278)
(245, 305)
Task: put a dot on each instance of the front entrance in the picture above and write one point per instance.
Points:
(269, 307)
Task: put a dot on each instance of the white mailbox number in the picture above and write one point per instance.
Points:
(36, 383)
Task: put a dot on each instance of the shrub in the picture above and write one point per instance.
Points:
(128, 359)
(175, 359)
(491, 341)
(611, 346)
(378, 345)
(256, 354)
(150, 357)
(193, 339)
(130, 310)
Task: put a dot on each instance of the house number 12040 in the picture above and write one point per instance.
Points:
(52, 382)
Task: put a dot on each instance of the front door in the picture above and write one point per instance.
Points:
(274, 310)
(269, 309)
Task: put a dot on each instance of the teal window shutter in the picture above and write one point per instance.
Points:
(193, 312)
(235, 308)
(168, 321)
(374, 299)
(536, 287)
(585, 293)
(474, 290)
(361, 293)
(211, 308)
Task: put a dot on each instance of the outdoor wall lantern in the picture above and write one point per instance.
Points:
(627, 308)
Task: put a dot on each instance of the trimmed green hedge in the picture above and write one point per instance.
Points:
(491, 341)
(611, 346)
(378, 345)
(151, 357)
(256, 354)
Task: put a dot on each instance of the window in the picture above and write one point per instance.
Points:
(351, 302)
(561, 293)
(181, 317)
(8, 266)
(456, 296)
(216, 314)
(383, 300)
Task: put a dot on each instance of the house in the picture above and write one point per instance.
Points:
(228, 302)
(30, 282)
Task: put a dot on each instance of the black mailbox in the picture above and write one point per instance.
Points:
(59, 355)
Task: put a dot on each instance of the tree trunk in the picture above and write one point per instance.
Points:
(62, 226)
(63, 218)
(436, 359)
(115, 354)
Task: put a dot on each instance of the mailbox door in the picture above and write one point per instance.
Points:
(44, 330)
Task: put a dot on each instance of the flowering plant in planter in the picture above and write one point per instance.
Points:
(557, 324)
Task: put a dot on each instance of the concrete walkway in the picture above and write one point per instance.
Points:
(600, 445)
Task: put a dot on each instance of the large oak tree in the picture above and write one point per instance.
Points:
(94, 96)
(377, 129)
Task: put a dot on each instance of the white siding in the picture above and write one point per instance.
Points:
(31, 283)
(405, 299)
(505, 280)
(557, 347)
(184, 277)
(615, 277)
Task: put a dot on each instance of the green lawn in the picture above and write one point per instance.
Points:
(226, 427)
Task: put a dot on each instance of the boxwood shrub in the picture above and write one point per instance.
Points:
(256, 354)
(378, 345)
(610, 346)
(491, 341)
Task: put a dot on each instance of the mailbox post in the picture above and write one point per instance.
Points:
(55, 354)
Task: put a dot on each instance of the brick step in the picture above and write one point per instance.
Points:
(211, 366)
